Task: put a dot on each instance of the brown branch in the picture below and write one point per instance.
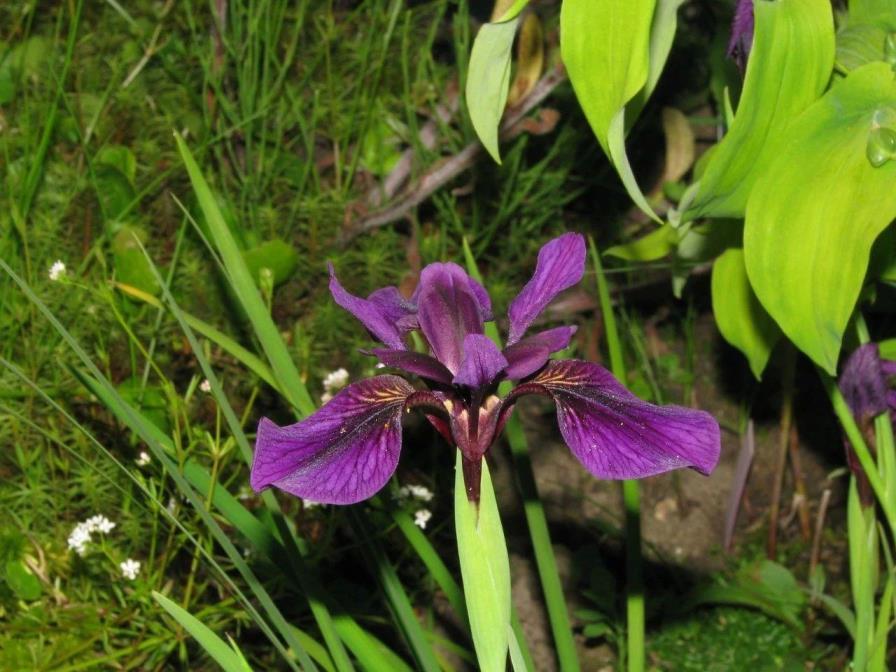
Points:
(443, 172)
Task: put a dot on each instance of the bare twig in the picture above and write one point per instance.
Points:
(781, 461)
(442, 173)
(819, 529)
(739, 484)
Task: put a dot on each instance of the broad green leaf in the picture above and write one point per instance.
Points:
(505, 10)
(119, 157)
(859, 44)
(739, 315)
(484, 568)
(880, 12)
(277, 256)
(606, 50)
(816, 211)
(488, 81)
(655, 245)
(21, 581)
(662, 33)
(131, 265)
(789, 67)
(214, 646)
(114, 192)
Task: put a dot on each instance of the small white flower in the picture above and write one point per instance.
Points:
(99, 523)
(308, 504)
(205, 386)
(172, 505)
(325, 397)
(244, 493)
(420, 492)
(143, 459)
(422, 517)
(335, 380)
(379, 365)
(57, 270)
(129, 568)
(79, 538)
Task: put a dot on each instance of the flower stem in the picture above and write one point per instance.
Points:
(631, 494)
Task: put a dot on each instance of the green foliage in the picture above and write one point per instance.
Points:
(817, 209)
(485, 569)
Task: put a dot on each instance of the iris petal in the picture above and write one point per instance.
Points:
(382, 312)
(341, 454)
(416, 363)
(482, 362)
(530, 354)
(561, 264)
(448, 310)
(864, 382)
(615, 435)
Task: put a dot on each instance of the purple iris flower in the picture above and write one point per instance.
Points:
(741, 33)
(865, 385)
(347, 450)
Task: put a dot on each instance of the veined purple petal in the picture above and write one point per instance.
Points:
(864, 383)
(381, 312)
(482, 297)
(615, 435)
(341, 454)
(416, 363)
(448, 311)
(530, 354)
(561, 264)
(482, 362)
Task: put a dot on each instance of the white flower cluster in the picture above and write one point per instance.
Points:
(420, 492)
(57, 270)
(143, 459)
(129, 568)
(422, 517)
(82, 534)
(205, 386)
(333, 382)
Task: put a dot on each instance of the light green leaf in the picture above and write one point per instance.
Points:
(655, 245)
(815, 213)
(739, 315)
(217, 648)
(790, 65)
(485, 569)
(21, 581)
(606, 50)
(858, 45)
(488, 81)
(880, 12)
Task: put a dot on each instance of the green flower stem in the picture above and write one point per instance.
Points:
(558, 614)
(631, 494)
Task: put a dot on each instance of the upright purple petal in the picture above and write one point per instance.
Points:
(416, 363)
(482, 297)
(448, 311)
(561, 264)
(482, 362)
(382, 312)
(343, 453)
(864, 383)
(614, 434)
(741, 33)
(530, 354)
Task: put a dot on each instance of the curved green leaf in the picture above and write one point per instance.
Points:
(484, 568)
(606, 50)
(655, 245)
(739, 315)
(816, 211)
(488, 81)
(879, 12)
(790, 65)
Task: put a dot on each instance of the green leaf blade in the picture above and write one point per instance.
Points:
(815, 213)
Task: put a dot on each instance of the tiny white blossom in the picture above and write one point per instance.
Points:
(99, 523)
(244, 493)
(308, 504)
(420, 492)
(421, 518)
(205, 386)
(379, 365)
(335, 380)
(129, 568)
(79, 538)
(325, 397)
(57, 270)
(172, 505)
(143, 459)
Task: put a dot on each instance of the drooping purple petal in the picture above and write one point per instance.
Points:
(448, 311)
(381, 312)
(482, 362)
(615, 435)
(741, 33)
(864, 383)
(561, 264)
(414, 362)
(530, 354)
(343, 453)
